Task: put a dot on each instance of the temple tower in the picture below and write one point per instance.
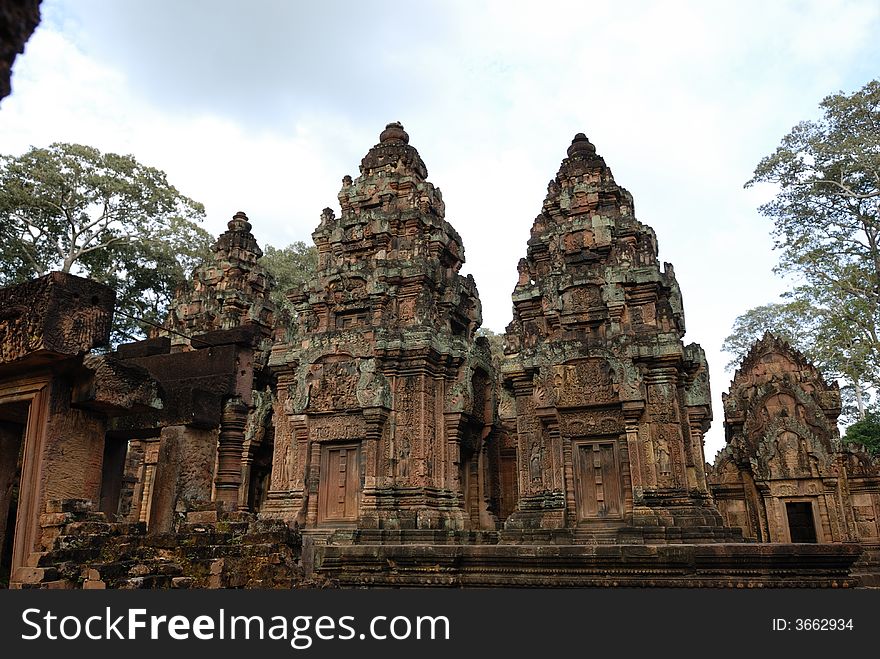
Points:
(226, 310)
(228, 291)
(608, 406)
(384, 396)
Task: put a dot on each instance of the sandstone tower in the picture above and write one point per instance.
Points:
(369, 439)
(384, 398)
(228, 291)
(608, 406)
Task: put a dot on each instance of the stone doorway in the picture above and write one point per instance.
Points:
(13, 421)
(801, 523)
(598, 486)
(23, 415)
(339, 484)
(470, 487)
(260, 472)
(508, 478)
(112, 476)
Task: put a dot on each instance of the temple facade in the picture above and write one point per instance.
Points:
(784, 475)
(367, 436)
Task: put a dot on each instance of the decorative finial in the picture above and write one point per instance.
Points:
(394, 133)
(239, 222)
(581, 146)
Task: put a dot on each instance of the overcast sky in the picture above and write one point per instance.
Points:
(264, 106)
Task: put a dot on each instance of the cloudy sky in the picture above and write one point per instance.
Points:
(264, 106)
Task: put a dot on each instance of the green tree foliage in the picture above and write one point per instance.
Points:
(293, 267)
(826, 219)
(866, 432)
(793, 322)
(72, 208)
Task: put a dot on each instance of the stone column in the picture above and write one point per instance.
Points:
(231, 443)
(144, 492)
(247, 465)
(697, 470)
(453, 423)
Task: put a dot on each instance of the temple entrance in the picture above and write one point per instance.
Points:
(598, 490)
(13, 420)
(260, 472)
(801, 524)
(470, 487)
(112, 475)
(339, 483)
(509, 484)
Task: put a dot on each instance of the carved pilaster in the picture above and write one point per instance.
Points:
(313, 475)
(453, 425)
(697, 467)
(227, 480)
(632, 412)
(372, 465)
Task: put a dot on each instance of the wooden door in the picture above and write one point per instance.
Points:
(339, 483)
(597, 480)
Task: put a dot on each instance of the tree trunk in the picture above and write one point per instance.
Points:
(860, 401)
(68, 263)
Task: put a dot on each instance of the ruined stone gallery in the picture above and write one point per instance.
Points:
(369, 436)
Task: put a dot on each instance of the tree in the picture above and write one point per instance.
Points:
(791, 322)
(866, 432)
(72, 208)
(826, 217)
(293, 267)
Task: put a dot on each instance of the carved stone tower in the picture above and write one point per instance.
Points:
(230, 291)
(608, 406)
(784, 476)
(227, 308)
(384, 397)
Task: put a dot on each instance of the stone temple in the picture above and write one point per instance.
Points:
(372, 438)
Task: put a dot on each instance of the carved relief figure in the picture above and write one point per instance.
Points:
(403, 452)
(535, 459)
(664, 466)
(334, 385)
(285, 467)
(280, 477)
(372, 388)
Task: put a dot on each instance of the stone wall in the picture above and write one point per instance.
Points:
(210, 550)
